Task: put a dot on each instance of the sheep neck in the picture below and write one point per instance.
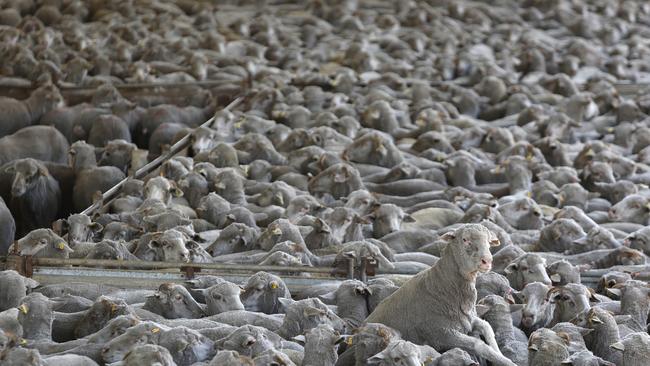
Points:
(449, 285)
(638, 309)
(501, 323)
(354, 313)
(83, 161)
(35, 107)
(603, 336)
(315, 355)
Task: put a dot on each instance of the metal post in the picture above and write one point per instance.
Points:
(362, 272)
(350, 268)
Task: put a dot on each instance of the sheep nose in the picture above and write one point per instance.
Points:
(486, 261)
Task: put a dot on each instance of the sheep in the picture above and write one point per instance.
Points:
(635, 348)
(321, 345)
(437, 306)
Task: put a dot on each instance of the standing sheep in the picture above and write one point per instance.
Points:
(437, 306)
(35, 195)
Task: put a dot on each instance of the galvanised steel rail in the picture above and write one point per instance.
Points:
(179, 146)
(142, 274)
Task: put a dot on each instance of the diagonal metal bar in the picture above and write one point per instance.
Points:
(157, 162)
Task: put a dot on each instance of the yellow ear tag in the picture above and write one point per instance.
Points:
(277, 231)
(239, 122)
(23, 341)
(529, 156)
(349, 341)
(23, 308)
(610, 129)
(155, 330)
(274, 285)
(61, 246)
(529, 194)
(113, 308)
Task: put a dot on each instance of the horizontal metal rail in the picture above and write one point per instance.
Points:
(157, 162)
(642, 271)
(151, 85)
(175, 265)
(153, 279)
(628, 89)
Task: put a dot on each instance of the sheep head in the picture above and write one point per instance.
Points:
(469, 248)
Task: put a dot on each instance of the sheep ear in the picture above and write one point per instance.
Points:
(565, 337)
(512, 267)
(10, 169)
(300, 339)
(311, 311)
(614, 293)
(592, 295)
(495, 242)
(248, 341)
(481, 310)
(622, 319)
(328, 298)
(618, 346)
(176, 192)
(202, 291)
(408, 218)
(95, 226)
(555, 277)
(155, 244)
(43, 171)
(448, 236)
(29, 283)
(376, 358)
(285, 301)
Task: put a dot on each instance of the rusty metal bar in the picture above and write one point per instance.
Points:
(154, 164)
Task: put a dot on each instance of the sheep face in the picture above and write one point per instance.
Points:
(471, 247)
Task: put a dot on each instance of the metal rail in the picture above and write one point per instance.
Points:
(175, 265)
(157, 162)
(125, 86)
(142, 274)
(67, 270)
(631, 89)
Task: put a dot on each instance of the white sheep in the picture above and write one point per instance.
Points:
(437, 307)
